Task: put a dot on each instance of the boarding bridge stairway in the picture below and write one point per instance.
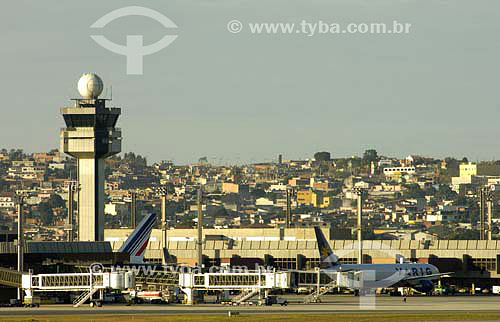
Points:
(244, 296)
(315, 296)
(84, 297)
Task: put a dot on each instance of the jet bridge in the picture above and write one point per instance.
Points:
(87, 283)
(251, 282)
(10, 277)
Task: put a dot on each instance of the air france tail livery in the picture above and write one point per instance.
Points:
(136, 243)
(417, 276)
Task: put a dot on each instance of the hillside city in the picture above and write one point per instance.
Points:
(419, 198)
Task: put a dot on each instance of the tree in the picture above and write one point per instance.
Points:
(137, 162)
(259, 193)
(367, 233)
(461, 201)
(370, 156)
(452, 166)
(46, 215)
(322, 156)
(413, 191)
(442, 231)
(16, 154)
(430, 191)
(445, 193)
(466, 234)
(55, 201)
(108, 171)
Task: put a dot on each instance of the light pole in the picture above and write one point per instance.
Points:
(72, 188)
(359, 193)
(489, 200)
(200, 227)
(288, 207)
(20, 241)
(482, 193)
(164, 227)
(486, 205)
(133, 209)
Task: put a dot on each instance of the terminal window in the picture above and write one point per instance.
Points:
(312, 262)
(488, 264)
(347, 260)
(285, 263)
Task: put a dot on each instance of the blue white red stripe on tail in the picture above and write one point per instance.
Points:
(137, 242)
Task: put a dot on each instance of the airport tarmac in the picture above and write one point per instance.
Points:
(330, 304)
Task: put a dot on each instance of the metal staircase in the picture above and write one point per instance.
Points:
(84, 297)
(315, 296)
(244, 295)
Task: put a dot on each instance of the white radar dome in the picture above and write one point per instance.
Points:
(90, 86)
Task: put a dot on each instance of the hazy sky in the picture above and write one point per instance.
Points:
(246, 97)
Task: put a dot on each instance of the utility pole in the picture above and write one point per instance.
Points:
(288, 207)
(489, 200)
(164, 224)
(20, 242)
(481, 212)
(200, 228)
(490, 213)
(359, 193)
(70, 212)
(133, 209)
(72, 188)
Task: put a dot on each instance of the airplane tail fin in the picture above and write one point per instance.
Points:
(137, 242)
(328, 259)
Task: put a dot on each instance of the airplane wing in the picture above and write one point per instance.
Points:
(413, 278)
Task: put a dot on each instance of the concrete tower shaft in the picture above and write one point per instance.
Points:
(90, 136)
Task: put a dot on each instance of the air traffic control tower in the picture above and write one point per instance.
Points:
(90, 136)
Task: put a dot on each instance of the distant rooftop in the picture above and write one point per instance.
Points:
(48, 247)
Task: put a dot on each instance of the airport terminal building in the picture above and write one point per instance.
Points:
(471, 261)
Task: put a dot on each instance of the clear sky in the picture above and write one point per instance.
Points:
(246, 97)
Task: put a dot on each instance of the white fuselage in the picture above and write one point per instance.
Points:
(391, 274)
